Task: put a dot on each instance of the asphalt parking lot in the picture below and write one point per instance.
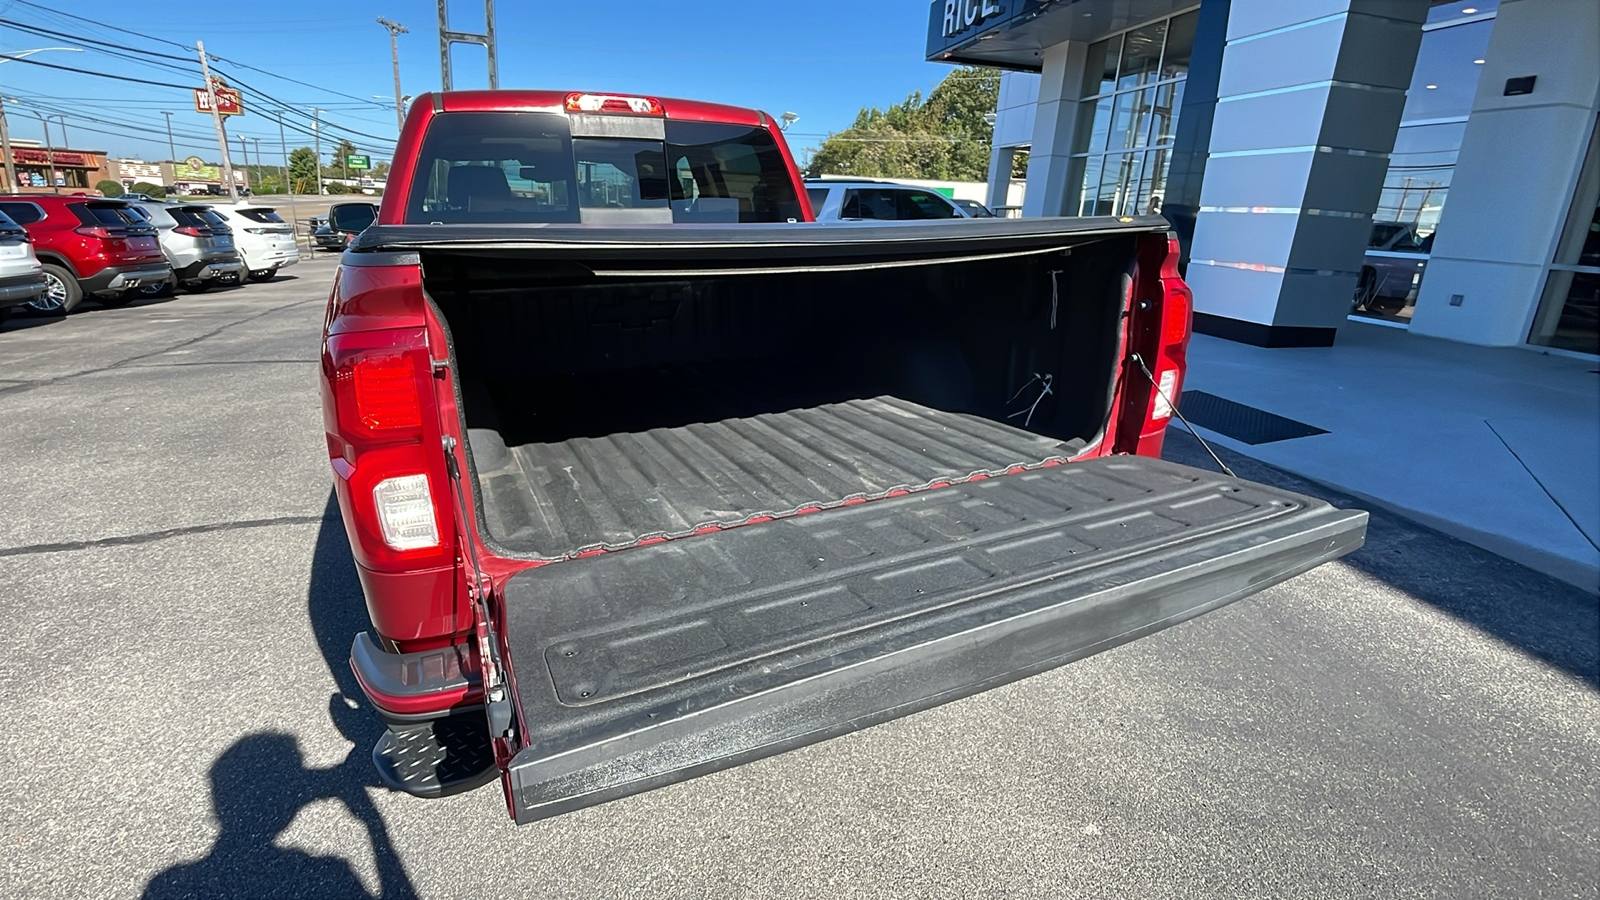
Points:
(1422, 719)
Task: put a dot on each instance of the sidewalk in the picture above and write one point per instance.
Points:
(1498, 446)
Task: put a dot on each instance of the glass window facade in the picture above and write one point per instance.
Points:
(1417, 184)
(1569, 312)
(1132, 91)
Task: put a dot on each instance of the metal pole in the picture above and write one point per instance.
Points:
(294, 218)
(488, 32)
(245, 150)
(49, 158)
(316, 130)
(395, 30)
(444, 46)
(5, 147)
(66, 142)
(172, 149)
(216, 119)
(259, 161)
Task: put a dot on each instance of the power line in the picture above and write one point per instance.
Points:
(102, 25)
(35, 62)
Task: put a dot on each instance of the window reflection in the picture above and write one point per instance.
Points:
(1132, 93)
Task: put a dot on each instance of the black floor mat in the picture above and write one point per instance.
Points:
(556, 500)
(1241, 422)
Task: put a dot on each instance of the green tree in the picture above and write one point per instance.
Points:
(109, 188)
(337, 169)
(149, 190)
(941, 137)
(303, 169)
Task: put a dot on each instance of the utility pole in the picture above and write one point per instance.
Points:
(245, 150)
(294, 218)
(172, 150)
(260, 160)
(5, 147)
(316, 130)
(216, 119)
(395, 30)
(49, 157)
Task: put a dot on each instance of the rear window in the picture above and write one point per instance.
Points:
(111, 216)
(22, 213)
(261, 215)
(527, 167)
(728, 173)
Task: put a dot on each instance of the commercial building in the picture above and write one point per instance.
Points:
(1405, 163)
(43, 170)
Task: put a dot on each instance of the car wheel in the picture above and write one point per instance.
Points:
(160, 289)
(263, 274)
(61, 292)
(197, 287)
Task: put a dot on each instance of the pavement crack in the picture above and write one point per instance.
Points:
(1553, 498)
(128, 363)
(150, 536)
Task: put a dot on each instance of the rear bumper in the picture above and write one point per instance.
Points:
(816, 626)
(121, 278)
(18, 290)
(207, 269)
(411, 688)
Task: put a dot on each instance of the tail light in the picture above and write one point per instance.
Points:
(1160, 335)
(384, 444)
(614, 103)
(93, 231)
(189, 230)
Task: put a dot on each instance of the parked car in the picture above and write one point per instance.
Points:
(834, 200)
(130, 197)
(1391, 273)
(344, 221)
(262, 237)
(973, 208)
(21, 276)
(89, 247)
(632, 502)
(197, 242)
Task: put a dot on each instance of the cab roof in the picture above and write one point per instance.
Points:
(554, 101)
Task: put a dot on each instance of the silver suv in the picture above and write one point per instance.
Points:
(196, 241)
(21, 276)
(834, 200)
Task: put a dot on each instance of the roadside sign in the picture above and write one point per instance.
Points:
(229, 102)
(358, 162)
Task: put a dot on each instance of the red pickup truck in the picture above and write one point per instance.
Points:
(647, 475)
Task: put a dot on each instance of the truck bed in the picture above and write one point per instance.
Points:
(557, 499)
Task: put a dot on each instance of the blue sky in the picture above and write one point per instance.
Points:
(822, 59)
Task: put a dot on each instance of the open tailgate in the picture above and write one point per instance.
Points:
(642, 667)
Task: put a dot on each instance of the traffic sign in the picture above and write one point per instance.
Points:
(358, 162)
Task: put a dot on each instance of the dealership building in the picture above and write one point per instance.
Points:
(1328, 164)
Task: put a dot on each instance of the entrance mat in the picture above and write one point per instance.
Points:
(1241, 422)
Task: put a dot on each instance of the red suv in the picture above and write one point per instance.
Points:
(88, 247)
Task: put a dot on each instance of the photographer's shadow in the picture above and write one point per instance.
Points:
(261, 783)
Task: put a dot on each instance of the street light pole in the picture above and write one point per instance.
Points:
(172, 150)
(316, 130)
(395, 30)
(294, 218)
(49, 157)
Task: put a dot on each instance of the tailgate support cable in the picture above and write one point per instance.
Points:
(1173, 405)
(494, 689)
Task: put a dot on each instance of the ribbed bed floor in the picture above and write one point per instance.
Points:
(556, 500)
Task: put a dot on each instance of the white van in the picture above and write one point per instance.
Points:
(264, 239)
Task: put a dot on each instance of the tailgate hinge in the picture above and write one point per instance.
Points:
(479, 589)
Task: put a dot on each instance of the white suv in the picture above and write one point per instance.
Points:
(834, 200)
(264, 239)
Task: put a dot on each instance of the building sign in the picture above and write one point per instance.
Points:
(229, 101)
(193, 170)
(960, 15)
(957, 23)
(29, 155)
(128, 168)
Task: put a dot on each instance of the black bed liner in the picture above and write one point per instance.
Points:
(658, 663)
(557, 500)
